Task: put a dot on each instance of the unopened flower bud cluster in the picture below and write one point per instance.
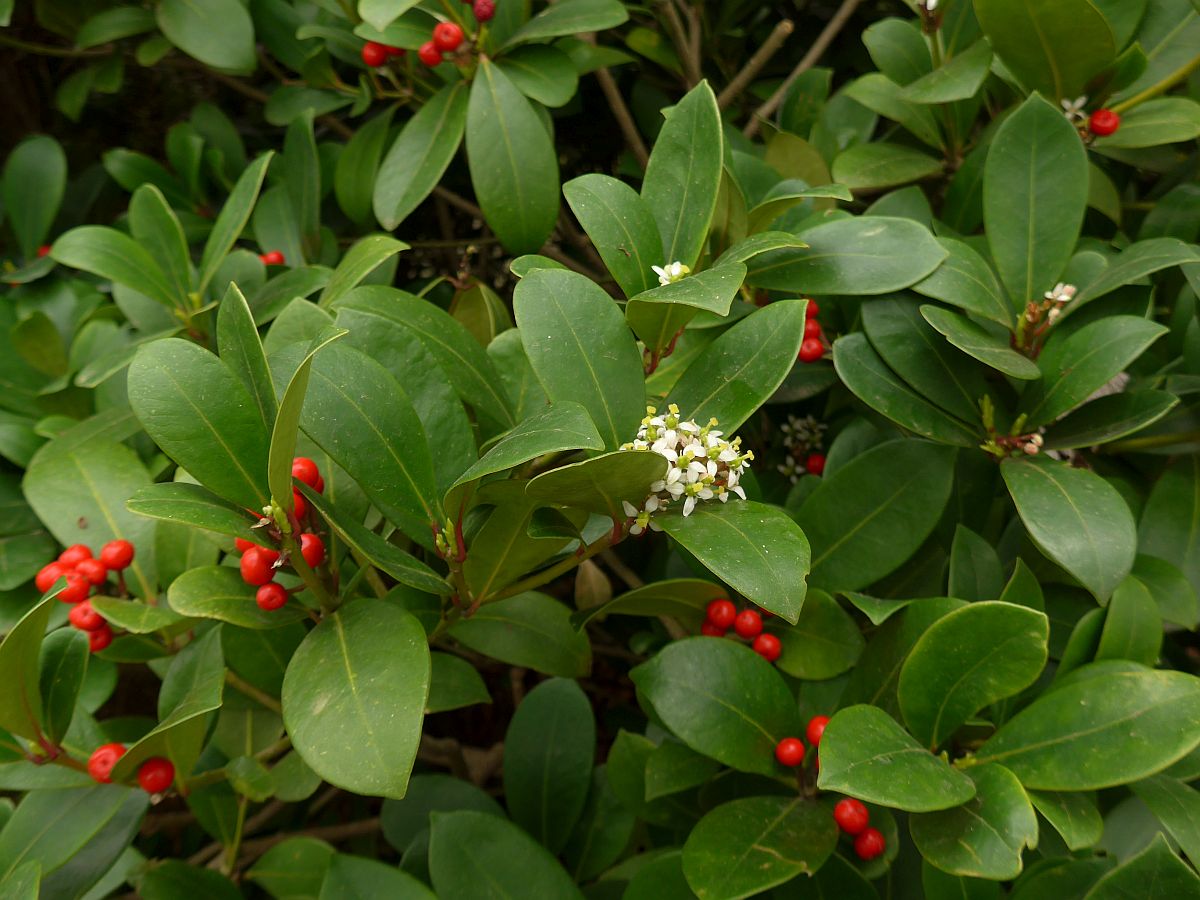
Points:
(704, 465)
(801, 436)
(1056, 299)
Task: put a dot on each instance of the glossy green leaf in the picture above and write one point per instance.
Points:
(744, 847)
(360, 260)
(530, 630)
(975, 569)
(356, 878)
(673, 767)
(63, 664)
(659, 315)
(1177, 806)
(543, 73)
(354, 697)
(968, 659)
(115, 256)
(242, 351)
(357, 168)
(1073, 815)
(1172, 592)
(156, 229)
(21, 704)
(722, 700)
(958, 79)
(293, 868)
(403, 820)
(190, 504)
(454, 683)
(379, 14)
(990, 347)
(219, 33)
(232, 219)
(1136, 262)
(1109, 418)
(684, 599)
(621, 226)
(1165, 120)
(35, 177)
(1132, 625)
(570, 17)
(135, 617)
(1171, 518)
(754, 548)
(884, 96)
(1076, 518)
(984, 838)
(882, 165)
(601, 484)
(218, 592)
(866, 754)
(1154, 874)
(824, 642)
(966, 280)
(603, 832)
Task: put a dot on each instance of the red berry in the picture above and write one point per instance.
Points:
(305, 470)
(1104, 122)
(790, 752)
(447, 36)
(100, 763)
(74, 555)
(374, 54)
(811, 349)
(312, 548)
(242, 545)
(100, 638)
(49, 574)
(156, 775)
(430, 54)
(257, 566)
(273, 258)
(869, 844)
(319, 487)
(812, 310)
(721, 613)
(767, 646)
(710, 630)
(484, 10)
(816, 728)
(812, 328)
(299, 504)
(77, 589)
(851, 816)
(117, 555)
(43, 250)
(815, 463)
(748, 624)
(394, 51)
(93, 570)
(271, 596)
(83, 617)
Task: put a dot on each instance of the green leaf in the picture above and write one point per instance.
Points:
(968, 659)
(1133, 628)
(355, 878)
(218, 592)
(684, 599)
(548, 751)
(1154, 874)
(403, 820)
(684, 175)
(1035, 186)
(743, 367)
(744, 847)
(975, 568)
(897, 49)
(984, 838)
(990, 347)
(866, 754)
(294, 868)
(621, 226)
(477, 856)
(966, 280)
(420, 155)
(22, 882)
(1109, 418)
(114, 256)
(562, 316)
(721, 699)
(1165, 120)
(672, 767)
(1039, 64)
(35, 177)
(755, 548)
(823, 643)
(514, 169)
(884, 96)
(958, 79)
(232, 219)
(302, 182)
(156, 229)
(570, 17)
(1094, 732)
(542, 73)
(190, 504)
(112, 25)
(379, 14)
(354, 697)
(882, 165)
(135, 617)
(219, 33)
(1136, 262)
(860, 255)
(530, 630)
(1076, 518)
(600, 484)
(1177, 806)
(603, 832)
(1170, 588)
(873, 513)
(659, 315)
(197, 411)
(242, 351)
(358, 167)
(453, 684)
(21, 702)
(40, 344)
(1171, 518)
(1073, 815)
(63, 663)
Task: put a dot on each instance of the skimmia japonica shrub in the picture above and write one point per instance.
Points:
(763, 462)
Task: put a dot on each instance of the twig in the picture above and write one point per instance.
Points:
(624, 119)
(819, 46)
(243, 686)
(552, 252)
(458, 201)
(691, 64)
(631, 578)
(48, 50)
(755, 64)
(252, 850)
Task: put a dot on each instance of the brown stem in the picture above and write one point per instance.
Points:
(624, 118)
(755, 64)
(683, 48)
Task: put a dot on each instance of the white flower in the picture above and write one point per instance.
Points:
(1073, 109)
(671, 272)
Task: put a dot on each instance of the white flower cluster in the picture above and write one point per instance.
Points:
(704, 466)
(671, 272)
(802, 433)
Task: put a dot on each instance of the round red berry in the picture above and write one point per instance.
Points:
(429, 54)
(74, 555)
(77, 589)
(319, 487)
(305, 470)
(93, 570)
(299, 504)
(43, 250)
(447, 36)
(156, 775)
(257, 566)
(815, 463)
(1104, 122)
(748, 624)
(312, 548)
(710, 630)
(811, 349)
(816, 728)
(100, 638)
(484, 10)
(869, 844)
(272, 258)
(812, 310)
(242, 545)
(721, 613)
(851, 816)
(394, 51)
(49, 574)
(100, 763)
(117, 555)
(271, 596)
(812, 328)
(83, 617)
(374, 54)
(790, 752)
(767, 646)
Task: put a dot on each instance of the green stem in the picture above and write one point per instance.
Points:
(307, 575)
(1146, 443)
(231, 852)
(1161, 87)
(48, 50)
(559, 568)
(244, 687)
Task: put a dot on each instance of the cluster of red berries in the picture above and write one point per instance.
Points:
(84, 575)
(851, 816)
(1103, 122)
(259, 564)
(375, 54)
(154, 775)
(447, 37)
(272, 258)
(721, 615)
(812, 347)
